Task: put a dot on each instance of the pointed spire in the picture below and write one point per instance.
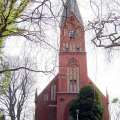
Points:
(71, 6)
(107, 96)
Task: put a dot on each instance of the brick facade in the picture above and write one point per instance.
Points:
(53, 103)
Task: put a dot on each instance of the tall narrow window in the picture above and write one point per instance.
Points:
(54, 96)
(73, 81)
(65, 47)
(53, 92)
(73, 86)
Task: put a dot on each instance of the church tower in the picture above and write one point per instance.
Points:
(54, 101)
(72, 57)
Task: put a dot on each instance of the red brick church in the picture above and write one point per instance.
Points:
(54, 101)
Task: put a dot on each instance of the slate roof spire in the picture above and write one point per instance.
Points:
(71, 6)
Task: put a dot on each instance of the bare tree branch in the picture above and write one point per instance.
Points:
(106, 26)
(13, 100)
(29, 69)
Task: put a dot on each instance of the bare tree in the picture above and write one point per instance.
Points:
(115, 109)
(27, 19)
(106, 26)
(13, 99)
(15, 12)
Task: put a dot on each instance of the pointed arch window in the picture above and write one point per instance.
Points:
(73, 76)
(73, 79)
(53, 92)
(73, 86)
(72, 61)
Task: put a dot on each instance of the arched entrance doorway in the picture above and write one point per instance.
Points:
(67, 115)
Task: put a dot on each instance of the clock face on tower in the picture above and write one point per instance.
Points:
(72, 34)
